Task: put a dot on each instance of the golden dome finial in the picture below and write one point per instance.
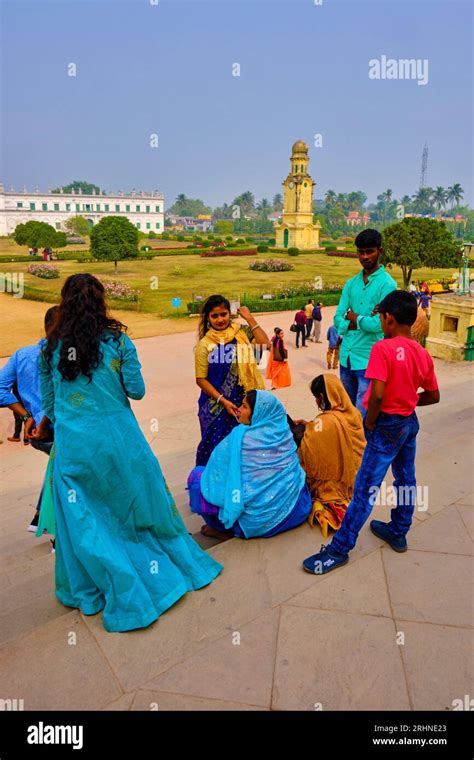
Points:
(299, 147)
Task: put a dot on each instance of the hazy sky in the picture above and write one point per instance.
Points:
(166, 69)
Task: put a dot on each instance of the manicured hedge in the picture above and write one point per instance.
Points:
(223, 252)
(343, 254)
(277, 304)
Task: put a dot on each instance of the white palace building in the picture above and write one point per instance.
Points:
(145, 210)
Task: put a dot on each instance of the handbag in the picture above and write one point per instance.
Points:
(293, 328)
(278, 355)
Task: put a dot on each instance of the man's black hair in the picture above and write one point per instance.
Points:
(368, 239)
(49, 317)
(402, 305)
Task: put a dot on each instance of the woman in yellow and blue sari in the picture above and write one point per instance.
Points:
(253, 485)
(226, 369)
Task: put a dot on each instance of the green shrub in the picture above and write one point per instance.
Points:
(240, 241)
(180, 237)
(262, 248)
(293, 251)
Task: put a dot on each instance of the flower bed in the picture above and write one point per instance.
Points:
(271, 265)
(211, 254)
(119, 291)
(45, 271)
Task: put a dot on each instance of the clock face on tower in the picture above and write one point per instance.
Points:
(291, 185)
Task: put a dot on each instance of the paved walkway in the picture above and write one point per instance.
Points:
(386, 632)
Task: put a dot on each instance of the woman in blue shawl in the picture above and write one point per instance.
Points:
(253, 484)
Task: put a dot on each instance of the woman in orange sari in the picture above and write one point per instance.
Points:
(278, 370)
(331, 452)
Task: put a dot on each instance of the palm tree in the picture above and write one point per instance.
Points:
(387, 195)
(455, 193)
(354, 201)
(246, 201)
(439, 198)
(277, 202)
(422, 200)
(330, 198)
(264, 207)
(381, 207)
(406, 203)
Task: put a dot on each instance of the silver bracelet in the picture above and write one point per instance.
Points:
(255, 327)
(220, 397)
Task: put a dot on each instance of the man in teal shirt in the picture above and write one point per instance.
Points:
(355, 320)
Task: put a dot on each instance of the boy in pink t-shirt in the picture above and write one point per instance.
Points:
(398, 366)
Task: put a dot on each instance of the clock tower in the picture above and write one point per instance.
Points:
(296, 228)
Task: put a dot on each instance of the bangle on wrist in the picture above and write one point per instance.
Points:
(255, 327)
(219, 398)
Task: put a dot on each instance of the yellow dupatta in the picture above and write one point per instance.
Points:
(249, 374)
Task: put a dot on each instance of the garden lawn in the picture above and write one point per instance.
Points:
(183, 276)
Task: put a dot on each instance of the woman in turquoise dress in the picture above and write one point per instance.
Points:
(121, 545)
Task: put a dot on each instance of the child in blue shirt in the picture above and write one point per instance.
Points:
(334, 342)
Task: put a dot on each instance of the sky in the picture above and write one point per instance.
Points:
(160, 72)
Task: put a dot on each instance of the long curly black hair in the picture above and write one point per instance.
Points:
(80, 323)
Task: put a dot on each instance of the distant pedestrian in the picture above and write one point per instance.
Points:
(18, 419)
(18, 424)
(301, 321)
(308, 310)
(424, 299)
(334, 342)
(278, 370)
(317, 319)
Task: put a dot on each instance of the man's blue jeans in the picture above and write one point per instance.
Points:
(356, 385)
(393, 442)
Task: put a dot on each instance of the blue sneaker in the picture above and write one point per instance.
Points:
(382, 530)
(327, 559)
